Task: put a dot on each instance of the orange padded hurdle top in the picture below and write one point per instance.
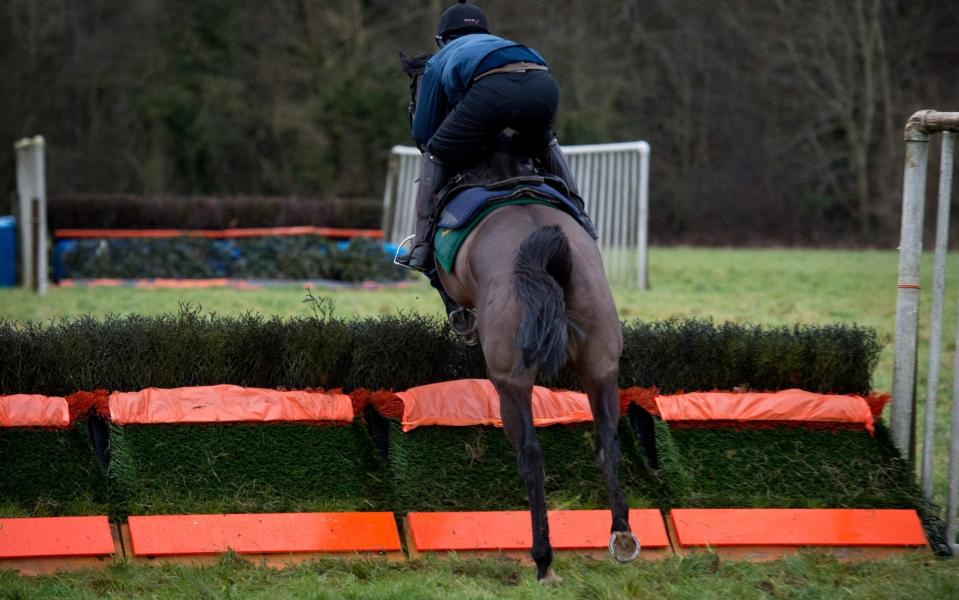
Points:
(227, 404)
(785, 405)
(511, 530)
(44, 537)
(31, 410)
(468, 402)
(796, 527)
(279, 533)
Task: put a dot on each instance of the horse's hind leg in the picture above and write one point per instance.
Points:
(517, 413)
(604, 402)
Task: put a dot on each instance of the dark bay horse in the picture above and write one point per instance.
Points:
(536, 281)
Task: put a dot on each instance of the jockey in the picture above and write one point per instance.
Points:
(475, 87)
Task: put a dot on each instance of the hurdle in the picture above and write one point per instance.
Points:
(612, 178)
(920, 127)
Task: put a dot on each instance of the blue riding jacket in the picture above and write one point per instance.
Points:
(449, 75)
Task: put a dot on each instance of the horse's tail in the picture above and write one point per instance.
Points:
(542, 271)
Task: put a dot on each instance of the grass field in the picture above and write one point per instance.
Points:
(701, 577)
(755, 286)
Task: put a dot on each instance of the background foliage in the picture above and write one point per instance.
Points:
(779, 121)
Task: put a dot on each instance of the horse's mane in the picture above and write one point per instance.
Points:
(414, 65)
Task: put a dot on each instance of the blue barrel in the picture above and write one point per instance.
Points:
(8, 252)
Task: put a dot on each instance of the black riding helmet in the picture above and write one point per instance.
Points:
(460, 19)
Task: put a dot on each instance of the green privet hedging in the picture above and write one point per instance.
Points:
(698, 355)
(255, 467)
(134, 352)
(783, 467)
(474, 468)
(49, 472)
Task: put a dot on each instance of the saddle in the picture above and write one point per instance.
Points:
(500, 179)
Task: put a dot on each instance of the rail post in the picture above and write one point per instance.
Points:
(32, 211)
(919, 128)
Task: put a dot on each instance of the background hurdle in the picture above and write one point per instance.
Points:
(612, 178)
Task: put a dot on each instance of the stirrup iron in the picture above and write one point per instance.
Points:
(462, 322)
(406, 244)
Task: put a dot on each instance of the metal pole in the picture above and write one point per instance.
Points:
(643, 238)
(40, 237)
(907, 297)
(938, 297)
(389, 193)
(952, 500)
(25, 195)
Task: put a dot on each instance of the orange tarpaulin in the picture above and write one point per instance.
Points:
(466, 402)
(787, 405)
(31, 410)
(227, 404)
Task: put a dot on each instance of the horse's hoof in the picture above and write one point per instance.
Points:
(624, 546)
(551, 578)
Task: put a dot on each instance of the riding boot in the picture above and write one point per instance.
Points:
(432, 178)
(554, 162)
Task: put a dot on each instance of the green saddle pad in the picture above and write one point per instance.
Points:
(447, 242)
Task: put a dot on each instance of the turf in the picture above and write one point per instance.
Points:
(698, 577)
(783, 468)
(49, 472)
(478, 470)
(175, 469)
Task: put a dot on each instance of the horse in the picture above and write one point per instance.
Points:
(536, 281)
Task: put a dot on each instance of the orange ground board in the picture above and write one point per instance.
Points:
(721, 527)
(511, 530)
(45, 537)
(183, 535)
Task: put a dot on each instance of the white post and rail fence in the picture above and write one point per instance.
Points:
(612, 178)
(920, 129)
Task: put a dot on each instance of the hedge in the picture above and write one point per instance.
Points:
(130, 211)
(271, 257)
(133, 352)
(50, 472)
